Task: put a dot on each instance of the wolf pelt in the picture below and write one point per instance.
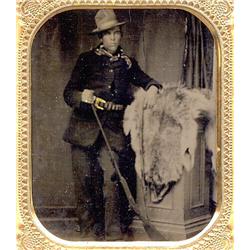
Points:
(164, 137)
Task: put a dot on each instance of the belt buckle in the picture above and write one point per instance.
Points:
(98, 101)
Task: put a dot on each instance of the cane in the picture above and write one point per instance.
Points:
(150, 229)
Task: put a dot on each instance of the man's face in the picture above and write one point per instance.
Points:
(111, 39)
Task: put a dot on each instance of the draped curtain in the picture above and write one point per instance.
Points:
(198, 55)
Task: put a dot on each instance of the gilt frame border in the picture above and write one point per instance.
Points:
(218, 17)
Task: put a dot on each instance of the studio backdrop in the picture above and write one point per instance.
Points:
(172, 46)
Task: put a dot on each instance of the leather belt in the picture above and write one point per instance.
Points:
(102, 104)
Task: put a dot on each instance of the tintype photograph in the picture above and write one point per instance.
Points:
(123, 125)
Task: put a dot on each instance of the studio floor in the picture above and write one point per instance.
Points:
(66, 229)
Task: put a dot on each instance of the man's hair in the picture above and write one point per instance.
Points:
(102, 33)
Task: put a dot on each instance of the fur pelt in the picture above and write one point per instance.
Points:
(164, 137)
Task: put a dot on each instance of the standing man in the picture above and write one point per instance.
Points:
(102, 77)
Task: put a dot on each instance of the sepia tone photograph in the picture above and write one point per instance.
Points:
(123, 121)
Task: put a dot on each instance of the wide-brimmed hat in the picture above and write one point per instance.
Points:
(105, 19)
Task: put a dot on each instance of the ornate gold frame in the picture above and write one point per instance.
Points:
(218, 16)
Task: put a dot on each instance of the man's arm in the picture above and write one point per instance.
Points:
(75, 95)
(140, 78)
(73, 91)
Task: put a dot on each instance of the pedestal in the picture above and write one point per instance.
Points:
(184, 211)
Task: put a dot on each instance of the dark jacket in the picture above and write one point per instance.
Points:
(110, 80)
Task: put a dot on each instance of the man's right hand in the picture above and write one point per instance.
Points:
(88, 96)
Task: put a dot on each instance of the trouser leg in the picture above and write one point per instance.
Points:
(98, 199)
(126, 163)
(83, 187)
(111, 195)
(116, 212)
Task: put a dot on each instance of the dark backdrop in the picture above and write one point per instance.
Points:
(156, 38)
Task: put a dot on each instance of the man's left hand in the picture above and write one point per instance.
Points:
(150, 97)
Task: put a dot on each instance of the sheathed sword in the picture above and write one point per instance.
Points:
(150, 229)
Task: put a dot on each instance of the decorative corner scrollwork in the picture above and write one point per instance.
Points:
(27, 9)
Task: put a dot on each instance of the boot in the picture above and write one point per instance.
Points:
(99, 231)
(85, 223)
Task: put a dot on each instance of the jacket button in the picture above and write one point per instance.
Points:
(109, 87)
(111, 70)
